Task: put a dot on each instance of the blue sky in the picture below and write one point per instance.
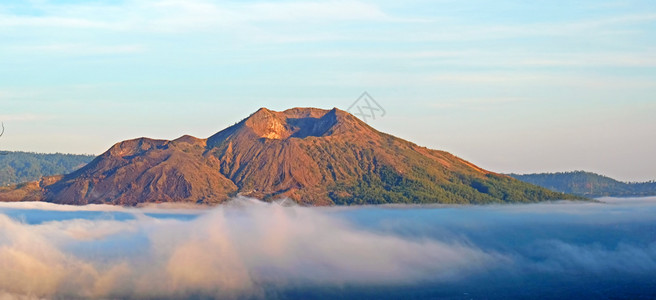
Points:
(513, 86)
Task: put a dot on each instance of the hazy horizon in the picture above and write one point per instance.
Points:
(510, 86)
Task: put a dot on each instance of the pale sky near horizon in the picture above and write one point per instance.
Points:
(512, 86)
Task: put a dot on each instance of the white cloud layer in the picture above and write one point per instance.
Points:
(252, 249)
(229, 251)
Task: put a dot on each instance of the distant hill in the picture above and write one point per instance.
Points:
(16, 167)
(588, 184)
(312, 156)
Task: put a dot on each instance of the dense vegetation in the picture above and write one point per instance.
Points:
(425, 181)
(386, 186)
(17, 167)
(588, 184)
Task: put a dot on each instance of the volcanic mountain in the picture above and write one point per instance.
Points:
(309, 155)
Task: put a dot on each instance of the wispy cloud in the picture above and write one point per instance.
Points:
(81, 49)
(616, 25)
(179, 16)
(493, 78)
(24, 117)
(494, 58)
(321, 11)
(9, 21)
(17, 94)
(257, 20)
(477, 103)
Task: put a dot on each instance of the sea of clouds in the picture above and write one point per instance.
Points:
(251, 249)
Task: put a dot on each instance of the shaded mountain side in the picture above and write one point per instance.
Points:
(589, 184)
(146, 170)
(17, 166)
(313, 156)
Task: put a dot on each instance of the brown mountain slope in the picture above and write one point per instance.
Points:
(313, 156)
(146, 170)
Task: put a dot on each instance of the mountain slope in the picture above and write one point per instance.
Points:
(313, 156)
(146, 170)
(588, 184)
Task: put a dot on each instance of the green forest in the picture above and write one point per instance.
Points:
(17, 167)
(589, 184)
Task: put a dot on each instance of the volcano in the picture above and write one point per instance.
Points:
(309, 155)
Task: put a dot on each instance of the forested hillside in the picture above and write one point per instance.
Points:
(17, 167)
(588, 184)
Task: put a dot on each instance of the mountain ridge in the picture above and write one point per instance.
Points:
(312, 156)
(20, 166)
(588, 184)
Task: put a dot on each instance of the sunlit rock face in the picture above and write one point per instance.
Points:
(296, 122)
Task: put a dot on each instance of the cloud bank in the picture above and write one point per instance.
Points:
(250, 249)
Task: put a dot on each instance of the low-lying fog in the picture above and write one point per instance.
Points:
(250, 249)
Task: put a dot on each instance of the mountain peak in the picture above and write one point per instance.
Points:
(299, 122)
(267, 124)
